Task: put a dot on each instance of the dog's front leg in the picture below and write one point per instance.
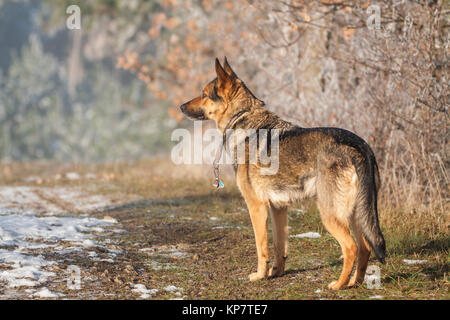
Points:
(258, 215)
(280, 233)
(258, 210)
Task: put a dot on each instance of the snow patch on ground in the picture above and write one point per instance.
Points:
(23, 199)
(177, 291)
(143, 291)
(222, 227)
(23, 269)
(49, 200)
(45, 293)
(313, 235)
(72, 176)
(173, 288)
(177, 251)
(32, 228)
(165, 251)
(18, 230)
(20, 235)
(407, 261)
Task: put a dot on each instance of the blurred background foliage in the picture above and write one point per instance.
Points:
(61, 96)
(112, 90)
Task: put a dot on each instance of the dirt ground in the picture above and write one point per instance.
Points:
(175, 237)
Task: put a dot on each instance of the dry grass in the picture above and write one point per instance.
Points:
(160, 178)
(174, 208)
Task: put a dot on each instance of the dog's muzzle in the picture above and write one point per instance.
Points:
(194, 115)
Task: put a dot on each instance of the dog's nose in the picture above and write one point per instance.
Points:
(183, 107)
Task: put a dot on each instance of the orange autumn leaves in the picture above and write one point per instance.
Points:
(160, 20)
(173, 73)
(129, 61)
(187, 40)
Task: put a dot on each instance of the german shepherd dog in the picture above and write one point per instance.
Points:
(333, 164)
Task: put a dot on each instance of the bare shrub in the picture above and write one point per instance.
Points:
(379, 69)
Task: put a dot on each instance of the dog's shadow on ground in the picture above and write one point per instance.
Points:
(433, 273)
(168, 221)
(424, 247)
(172, 202)
(315, 268)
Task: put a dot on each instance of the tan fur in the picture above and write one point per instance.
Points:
(258, 214)
(363, 259)
(333, 164)
(280, 234)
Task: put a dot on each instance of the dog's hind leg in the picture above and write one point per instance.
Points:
(280, 233)
(342, 234)
(363, 259)
(336, 194)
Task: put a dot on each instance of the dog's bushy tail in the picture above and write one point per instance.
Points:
(366, 210)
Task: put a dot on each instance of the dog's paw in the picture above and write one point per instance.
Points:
(334, 285)
(276, 272)
(353, 283)
(256, 276)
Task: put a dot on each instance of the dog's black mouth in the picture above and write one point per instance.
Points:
(193, 115)
(196, 116)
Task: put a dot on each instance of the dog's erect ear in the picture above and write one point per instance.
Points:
(222, 76)
(227, 68)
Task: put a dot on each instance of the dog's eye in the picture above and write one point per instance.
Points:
(203, 95)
